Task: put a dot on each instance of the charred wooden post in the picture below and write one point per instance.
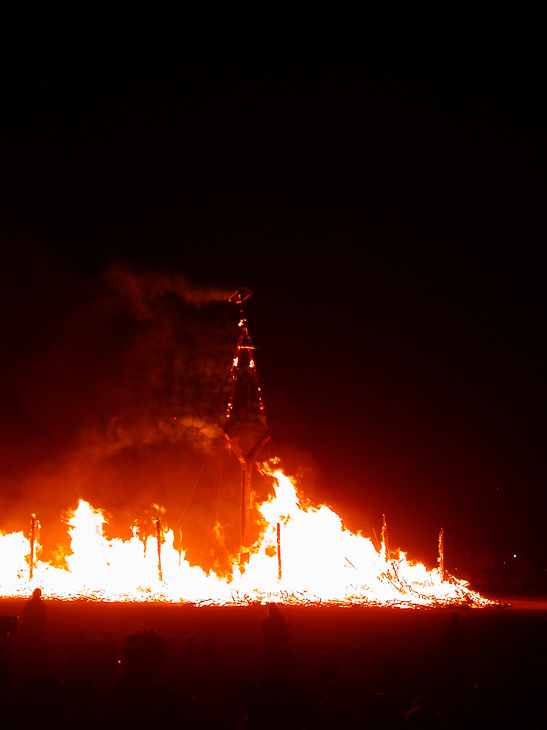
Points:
(278, 551)
(158, 535)
(384, 539)
(33, 527)
(441, 554)
(246, 461)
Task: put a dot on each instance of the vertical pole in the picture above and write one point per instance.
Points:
(242, 366)
(158, 533)
(441, 553)
(384, 539)
(246, 472)
(32, 544)
(278, 551)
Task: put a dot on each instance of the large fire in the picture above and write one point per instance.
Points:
(304, 555)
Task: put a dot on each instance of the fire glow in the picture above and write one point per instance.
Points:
(304, 555)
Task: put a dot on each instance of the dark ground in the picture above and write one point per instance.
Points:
(496, 678)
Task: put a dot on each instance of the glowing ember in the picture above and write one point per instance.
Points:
(322, 562)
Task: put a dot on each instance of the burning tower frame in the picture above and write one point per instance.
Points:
(246, 427)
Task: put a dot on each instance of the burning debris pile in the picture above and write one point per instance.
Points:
(304, 555)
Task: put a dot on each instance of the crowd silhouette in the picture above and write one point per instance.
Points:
(151, 681)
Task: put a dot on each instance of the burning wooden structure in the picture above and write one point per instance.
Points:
(323, 562)
(246, 427)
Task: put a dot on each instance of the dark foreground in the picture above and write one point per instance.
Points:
(345, 668)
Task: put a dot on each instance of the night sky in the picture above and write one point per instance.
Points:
(374, 178)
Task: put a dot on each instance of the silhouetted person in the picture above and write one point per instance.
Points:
(424, 715)
(454, 646)
(325, 678)
(39, 703)
(378, 711)
(190, 653)
(3, 682)
(189, 674)
(274, 705)
(139, 700)
(454, 636)
(80, 657)
(33, 625)
(276, 650)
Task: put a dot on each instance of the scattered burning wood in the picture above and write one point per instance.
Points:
(323, 563)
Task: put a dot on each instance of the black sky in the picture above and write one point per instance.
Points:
(376, 179)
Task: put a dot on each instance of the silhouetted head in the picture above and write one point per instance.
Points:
(328, 708)
(37, 594)
(379, 703)
(454, 618)
(328, 659)
(421, 701)
(424, 715)
(190, 641)
(144, 652)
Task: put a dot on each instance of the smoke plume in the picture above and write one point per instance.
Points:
(142, 289)
(114, 390)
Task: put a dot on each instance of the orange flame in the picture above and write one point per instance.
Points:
(322, 562)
